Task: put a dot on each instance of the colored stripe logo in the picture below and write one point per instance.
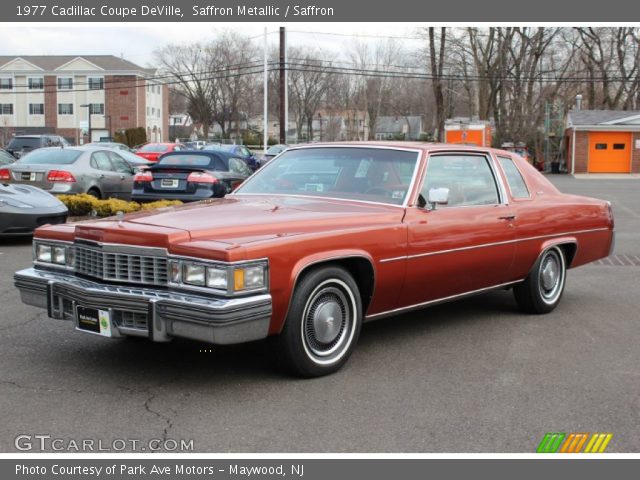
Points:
(559, 442)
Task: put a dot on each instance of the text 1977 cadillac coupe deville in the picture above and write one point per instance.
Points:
(320, 240)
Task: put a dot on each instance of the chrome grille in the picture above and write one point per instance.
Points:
(134, 320)
(120, 267)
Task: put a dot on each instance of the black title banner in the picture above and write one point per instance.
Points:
(319, 11)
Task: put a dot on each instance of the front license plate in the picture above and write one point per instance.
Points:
(169, 183)
(93, 320)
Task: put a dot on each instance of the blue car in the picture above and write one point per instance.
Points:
(238, 151)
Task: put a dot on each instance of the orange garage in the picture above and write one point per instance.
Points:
(609, 152)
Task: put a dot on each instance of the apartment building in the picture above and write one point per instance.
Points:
(82, 98)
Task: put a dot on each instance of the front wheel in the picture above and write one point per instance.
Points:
(323, 323)
(542, 289)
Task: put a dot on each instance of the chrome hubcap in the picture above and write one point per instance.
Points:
(327, 320)
(551, 280)
(549, 273)
(328, 323)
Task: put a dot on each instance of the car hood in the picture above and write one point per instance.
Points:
(243, 219)
(27, 194)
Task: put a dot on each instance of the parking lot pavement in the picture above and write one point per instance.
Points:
(472, 376)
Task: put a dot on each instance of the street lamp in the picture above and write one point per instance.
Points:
(88, 105)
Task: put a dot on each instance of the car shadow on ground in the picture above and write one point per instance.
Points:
(190, 363)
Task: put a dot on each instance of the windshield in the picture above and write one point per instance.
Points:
(24, 143)
(154, 148)
(59, 156)
(186, 160)
(276, 149)
(369, 174)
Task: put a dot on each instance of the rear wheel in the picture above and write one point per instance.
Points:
(543, 288)
(94, 192)
(323, 323)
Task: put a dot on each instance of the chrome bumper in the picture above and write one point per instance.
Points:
(159, 315)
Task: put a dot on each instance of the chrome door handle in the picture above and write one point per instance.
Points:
(507, 217)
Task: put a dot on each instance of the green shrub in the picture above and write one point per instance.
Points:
(83, 205)
(160, 204)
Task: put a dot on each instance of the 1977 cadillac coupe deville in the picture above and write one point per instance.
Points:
(323, 238)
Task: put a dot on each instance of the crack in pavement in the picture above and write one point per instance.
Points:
(167, 420)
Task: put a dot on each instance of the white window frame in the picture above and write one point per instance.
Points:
(7, 114)
(89, 79)
(34, 114)
(91, 112)
(29, 79)
(65, 114)
(13, 84)
(65, 89)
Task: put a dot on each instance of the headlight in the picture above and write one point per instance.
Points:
(223, 278)
(193, 274)
(43, 253)
(54, 254)
(217, 278)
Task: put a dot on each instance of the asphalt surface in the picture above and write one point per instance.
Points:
(471, 376)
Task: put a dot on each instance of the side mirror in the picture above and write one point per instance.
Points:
(438, 196)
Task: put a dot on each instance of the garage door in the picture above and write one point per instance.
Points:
(609, 152)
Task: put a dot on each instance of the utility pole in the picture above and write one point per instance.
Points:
(265, 122)
(282, 119)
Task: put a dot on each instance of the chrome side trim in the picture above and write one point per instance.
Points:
(436, 301)
(315, 197)
(493, 244)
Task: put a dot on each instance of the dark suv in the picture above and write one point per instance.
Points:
(22, 144)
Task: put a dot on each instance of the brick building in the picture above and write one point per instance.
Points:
(603, 141)
(55, 93)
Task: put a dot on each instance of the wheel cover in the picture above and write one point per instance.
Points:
(551, 276)
(328, 322)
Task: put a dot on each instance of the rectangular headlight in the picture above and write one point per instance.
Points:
(59, 255)
(43, 253)
(193, 274)
(217, 278)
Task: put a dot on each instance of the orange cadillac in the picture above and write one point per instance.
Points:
(323, 238)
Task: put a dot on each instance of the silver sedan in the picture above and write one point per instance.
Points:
(99, 172)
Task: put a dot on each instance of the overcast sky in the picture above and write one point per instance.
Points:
(137, 42)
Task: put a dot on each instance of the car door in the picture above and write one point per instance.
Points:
(104, 174)
(466, 245)
(125, 174)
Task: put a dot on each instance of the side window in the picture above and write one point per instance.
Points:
(177, 148)
(101, 161)
(119, 164)
(516, 183)
(238, 166)
(469, 179)
(245, 152)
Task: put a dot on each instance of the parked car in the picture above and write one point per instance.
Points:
(194, 144)
(152, 151)
(6, 158)
(22, 144)
(131, 158)
(239, 151)
(271, 152)
(320, 240)
(23, 208)
(114, 145)
(99, 172)
(190, 176)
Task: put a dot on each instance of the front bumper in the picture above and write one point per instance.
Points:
(157, 314)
